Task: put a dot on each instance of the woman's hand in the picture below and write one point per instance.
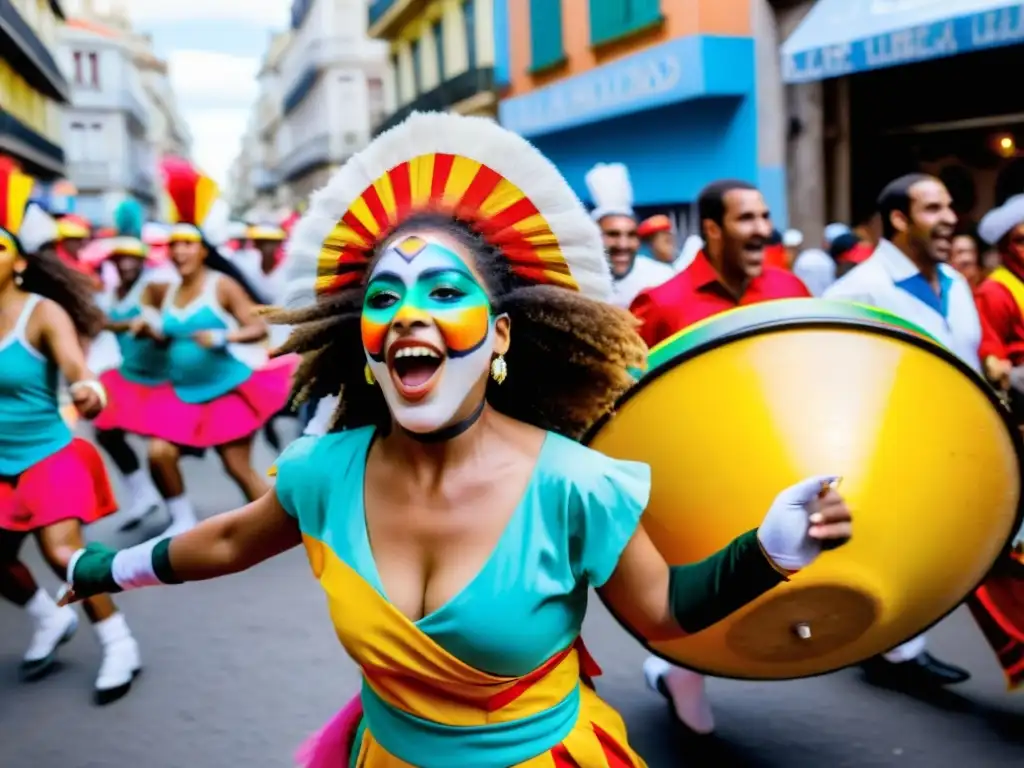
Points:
(88, 397)
(210, 339)
(140, 328)
(803, 521)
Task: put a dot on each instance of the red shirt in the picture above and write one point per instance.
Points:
(696, 293)
(1002, 327)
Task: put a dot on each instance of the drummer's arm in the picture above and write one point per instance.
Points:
(662, 602)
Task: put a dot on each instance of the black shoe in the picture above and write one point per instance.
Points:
(922, 671)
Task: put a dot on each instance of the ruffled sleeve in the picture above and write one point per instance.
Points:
(608, 497)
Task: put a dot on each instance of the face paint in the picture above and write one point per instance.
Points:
(427, 331)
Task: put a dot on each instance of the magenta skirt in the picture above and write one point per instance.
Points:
(129, 404)
(225, 419)
(72, 484)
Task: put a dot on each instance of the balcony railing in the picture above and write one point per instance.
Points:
(318, 151)
(136, 110)
(45, 158)
(313, 57)
(263, 180)
(28, 55)
(447, 94)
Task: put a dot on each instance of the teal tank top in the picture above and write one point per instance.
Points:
(197, 374)
(142, 360)
(31, 427)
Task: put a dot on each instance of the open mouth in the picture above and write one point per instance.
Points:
(414, 368)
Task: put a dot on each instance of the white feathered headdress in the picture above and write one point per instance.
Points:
(610, 190)
(998, 222)
(467, 167)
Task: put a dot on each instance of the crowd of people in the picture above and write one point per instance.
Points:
(397, 313)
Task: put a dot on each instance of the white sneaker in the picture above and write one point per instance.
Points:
(51, 633)
(178, 527)
(685, 690)
(142, 506)
(121, 659)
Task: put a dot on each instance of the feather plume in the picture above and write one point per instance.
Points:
(470, 141)
(129, 218)
(37, 229)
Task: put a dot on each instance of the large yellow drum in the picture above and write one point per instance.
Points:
(736, 408)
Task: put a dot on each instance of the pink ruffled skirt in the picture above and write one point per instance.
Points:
(129, 404)
(71, 484)
(332, 746)
(225, 419)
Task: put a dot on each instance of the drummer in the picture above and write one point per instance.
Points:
(728, 272)
(907, 275)
(612, 194)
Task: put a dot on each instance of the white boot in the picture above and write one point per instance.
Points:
(53, 627)
(121, 660)
(144, 498)
(685, 689)
(183, 517)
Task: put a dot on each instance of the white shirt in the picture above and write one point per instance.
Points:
(816, 269)
(890, 281)
(646, 273)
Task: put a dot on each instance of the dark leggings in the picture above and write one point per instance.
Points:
(113, 441)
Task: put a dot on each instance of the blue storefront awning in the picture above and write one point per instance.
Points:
(843, 37)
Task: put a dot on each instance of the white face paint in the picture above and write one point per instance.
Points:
(427, 331)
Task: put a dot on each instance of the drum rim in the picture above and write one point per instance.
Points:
(821, 321)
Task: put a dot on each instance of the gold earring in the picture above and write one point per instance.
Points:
(368, 375)
(499, 369)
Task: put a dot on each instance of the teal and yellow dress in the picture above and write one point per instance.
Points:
(491, 679)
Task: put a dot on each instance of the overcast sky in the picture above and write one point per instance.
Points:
(214, 48)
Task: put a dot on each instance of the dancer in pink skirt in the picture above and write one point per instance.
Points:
(51, 483)
(221, 389)
(144, 363)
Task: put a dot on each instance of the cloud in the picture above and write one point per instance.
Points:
(217, 137)
(270, 13)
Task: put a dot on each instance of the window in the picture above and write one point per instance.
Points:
(469, 16)
(417, 65)
(612, 19)
(77, 143)
(375, 99)
(545, 34)
(438, 31)
(94, 70)
(79, 79)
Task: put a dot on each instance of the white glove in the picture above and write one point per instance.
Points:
(784, 532)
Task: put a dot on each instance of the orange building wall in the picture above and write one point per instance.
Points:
(682, 18)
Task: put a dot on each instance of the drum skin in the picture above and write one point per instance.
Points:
(734, 409)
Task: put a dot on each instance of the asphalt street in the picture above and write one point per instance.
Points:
(239, 671)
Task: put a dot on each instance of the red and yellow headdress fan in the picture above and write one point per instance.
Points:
(541, 252)
(198, 214)
(469, 167)
(24, 228)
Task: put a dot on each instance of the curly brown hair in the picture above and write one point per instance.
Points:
(568, 363)
(51, 278)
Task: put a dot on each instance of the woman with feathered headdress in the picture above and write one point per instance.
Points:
(51, 483)
(220, 390)
(143, 365)
(451, 288)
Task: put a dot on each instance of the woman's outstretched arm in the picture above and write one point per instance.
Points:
(222, 545)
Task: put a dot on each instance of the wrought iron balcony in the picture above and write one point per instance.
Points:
(444, 96)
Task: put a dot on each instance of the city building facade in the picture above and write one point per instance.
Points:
(331, 79)
(106, 127)
(668, 87)
(32, 87)
(884, 87)
(445, 55)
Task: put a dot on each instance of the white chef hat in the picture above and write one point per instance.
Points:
(995, 224)
(793, 238)
(610, 190)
